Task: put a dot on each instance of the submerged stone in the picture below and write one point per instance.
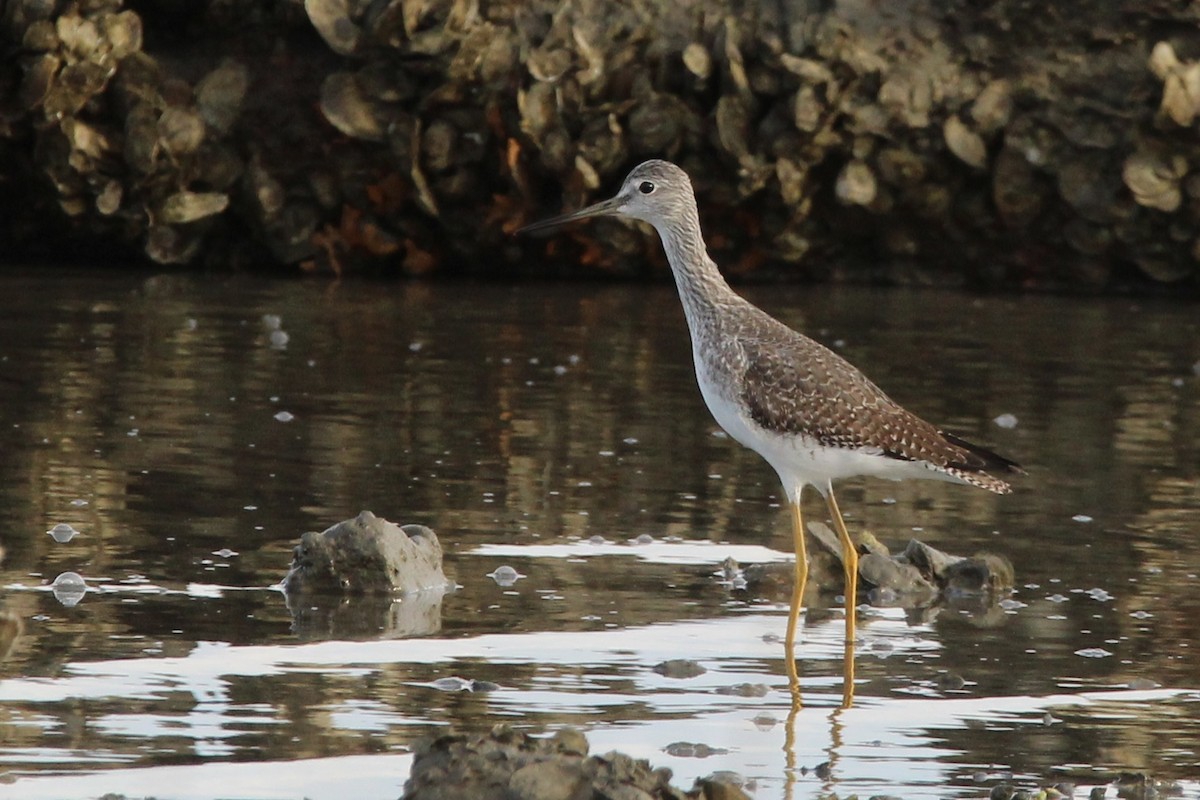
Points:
(514, 765)
(367, 555)
(681, 668)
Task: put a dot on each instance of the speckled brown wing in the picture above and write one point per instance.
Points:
(793, 385)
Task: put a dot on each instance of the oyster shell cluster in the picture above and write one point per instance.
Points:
(906, 142)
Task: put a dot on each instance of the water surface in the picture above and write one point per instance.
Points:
(190, 428)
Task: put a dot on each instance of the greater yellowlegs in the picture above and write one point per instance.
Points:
(810, 413)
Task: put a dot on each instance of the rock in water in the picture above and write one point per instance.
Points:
(514, 765)
(367, 555)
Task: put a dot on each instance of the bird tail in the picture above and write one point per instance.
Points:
(978, 465)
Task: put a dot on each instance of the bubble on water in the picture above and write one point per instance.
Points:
(630, 440)
(225, 552)
(1081, 518)
(1058, 598)
(279, 339)
(1093, 652)
(642, 539)
(285, 416)
(597, 540)
(1009, 604)
(1141, 615)
(190, 324)
(452, 684)
(272, 322)
(505, 575)
(62, 532)
(559, 369)
(1143, 684)
(69, 588)
(889, 501)
(79, 502)
(415, 347)
(1099, 594)
(1006, 421)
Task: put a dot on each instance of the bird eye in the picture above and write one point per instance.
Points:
(646, 187)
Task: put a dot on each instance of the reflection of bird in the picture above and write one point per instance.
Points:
(806, 410)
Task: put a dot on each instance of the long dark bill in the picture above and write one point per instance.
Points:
(602, 209)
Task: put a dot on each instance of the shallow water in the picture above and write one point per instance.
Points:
(189, 444)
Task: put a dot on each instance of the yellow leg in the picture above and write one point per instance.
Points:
(850, 565)
(801, 578)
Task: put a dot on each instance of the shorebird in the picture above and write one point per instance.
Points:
(809, 412)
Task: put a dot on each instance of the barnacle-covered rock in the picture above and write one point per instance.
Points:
(183, 207)
(415, 135)
(856, 184)
(697, 60)
(1154, 179)
(220, 93)
(180, 130)
(993, 107)
(332, 20)
(1181, 84)
(1015, 188)
(1089, 187)
(348, 109)
(965, 143)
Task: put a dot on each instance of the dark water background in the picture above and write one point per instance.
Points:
(190, 443)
